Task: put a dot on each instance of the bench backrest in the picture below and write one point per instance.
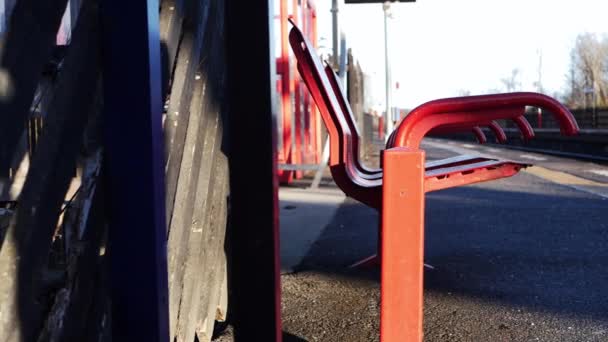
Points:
(312, 72)
(341, 158)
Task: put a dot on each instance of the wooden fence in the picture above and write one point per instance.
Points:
(53, 204)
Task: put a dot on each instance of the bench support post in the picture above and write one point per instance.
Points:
(402, 245)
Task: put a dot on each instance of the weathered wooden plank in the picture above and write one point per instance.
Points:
(25, 251)
(214, 263)
(171, 17)
(184, 201)
(212, 70)
(208, 284)
(201, 315)
(24, 50)
(222, 306)
(198, 289)
(99, 324)
(199, 272)
(189, 299)
(186, 252)
(176, 120)
(70, 315)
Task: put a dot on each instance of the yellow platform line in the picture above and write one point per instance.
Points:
(562, 177)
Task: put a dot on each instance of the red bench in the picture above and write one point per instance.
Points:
(397, 190)
(350, 118)
(366, 185)
(520, 121)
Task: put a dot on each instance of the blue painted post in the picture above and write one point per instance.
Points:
(134, 170)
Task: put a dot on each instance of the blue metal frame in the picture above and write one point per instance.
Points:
(134, 170)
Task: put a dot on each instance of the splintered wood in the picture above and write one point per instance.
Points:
(53, 216)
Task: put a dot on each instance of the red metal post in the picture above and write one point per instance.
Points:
(309, 149)
(297, 94)
(297, 158)
(306, 20)
(285, 176)
(402, 245)
(315, 115)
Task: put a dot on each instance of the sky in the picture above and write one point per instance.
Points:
(442, 48)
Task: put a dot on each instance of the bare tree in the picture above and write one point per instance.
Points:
(588, 74)
(512, 83)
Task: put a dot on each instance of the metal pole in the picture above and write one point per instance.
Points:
(594, 113)
(295, 85)
(343, 61)
(286, 110)
(388, 112)
(334, 34)
(316, 124)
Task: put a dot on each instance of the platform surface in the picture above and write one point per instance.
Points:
(519, 259)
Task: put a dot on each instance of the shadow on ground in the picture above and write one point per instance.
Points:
(523, 260)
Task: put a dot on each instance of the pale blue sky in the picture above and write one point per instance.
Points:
(443, 47)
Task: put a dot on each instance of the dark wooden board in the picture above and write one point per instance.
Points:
(29, 236)
(171, 19)
(70, 315)
(214, 264)
(24, 50)
(184, 201)
(253, 184)
(199, 229)
(187, 251)
(176, 120)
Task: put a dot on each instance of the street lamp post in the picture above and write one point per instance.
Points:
(334, 12)
(587, 91)
(386, 5)
(594, 99)
(388, 112)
